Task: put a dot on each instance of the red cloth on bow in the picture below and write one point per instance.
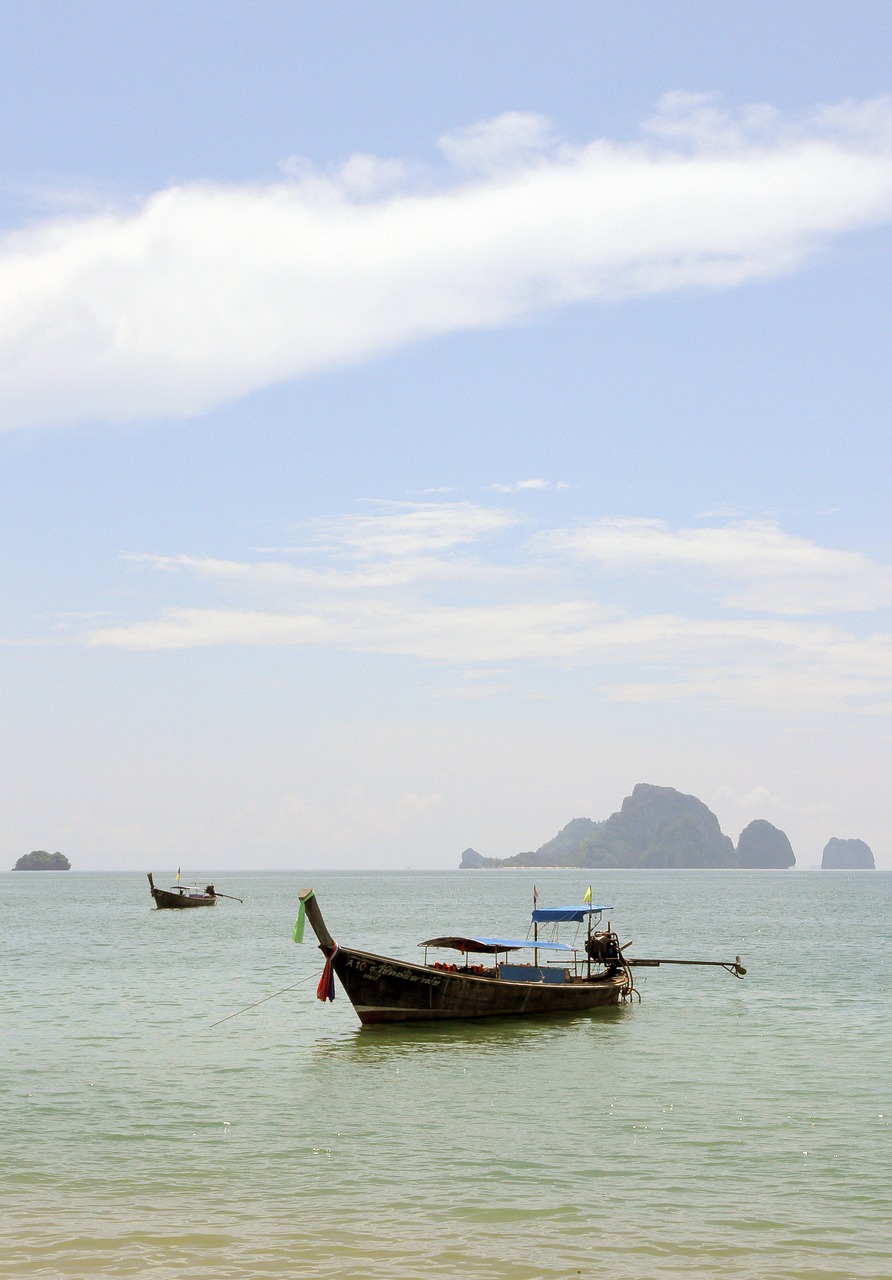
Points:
(326, 988)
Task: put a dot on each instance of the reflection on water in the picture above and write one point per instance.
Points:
(478, 1034)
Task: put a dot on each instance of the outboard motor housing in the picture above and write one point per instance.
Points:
(603, 948)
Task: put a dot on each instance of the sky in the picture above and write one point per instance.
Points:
(421, 423)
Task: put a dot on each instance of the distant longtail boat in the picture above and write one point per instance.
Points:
(181, 896)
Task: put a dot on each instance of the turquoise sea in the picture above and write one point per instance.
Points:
(720, 1129)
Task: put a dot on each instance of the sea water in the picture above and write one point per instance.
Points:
(720, 1129)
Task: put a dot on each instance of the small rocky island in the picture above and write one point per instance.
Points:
(656, 827)
(763, 845)
(847, 855)
(40, 860)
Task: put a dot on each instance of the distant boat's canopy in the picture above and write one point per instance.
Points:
(494, 945)
(558, 914)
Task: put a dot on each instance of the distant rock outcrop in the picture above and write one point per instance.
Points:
(40, 860)
(761, 844)
(656, 827)
(565, 844)
(847, 855)
(471, 859)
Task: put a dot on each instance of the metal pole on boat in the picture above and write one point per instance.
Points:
(535, 926)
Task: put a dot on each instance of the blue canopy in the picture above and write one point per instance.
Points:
(558, 914)
(513, 945)
(493, 945)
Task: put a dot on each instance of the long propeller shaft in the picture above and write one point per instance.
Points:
(736, 967)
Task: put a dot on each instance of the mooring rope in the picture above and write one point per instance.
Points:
(263, 1001)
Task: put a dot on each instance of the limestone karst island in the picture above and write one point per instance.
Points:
(40, 860)
(661, 827)
(656, 827)
(847, 855)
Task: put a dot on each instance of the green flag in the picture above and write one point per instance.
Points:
(298, 932)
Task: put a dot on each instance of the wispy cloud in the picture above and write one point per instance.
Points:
(754, 565)
(393, 544)
(411, 528)
(675, 658)
(520, 485)
(206, 292)
(514, 140)
(757, 613)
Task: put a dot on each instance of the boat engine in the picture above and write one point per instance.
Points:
(603, 948)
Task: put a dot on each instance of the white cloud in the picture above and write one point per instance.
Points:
(394, 544)
(720, 513)
(511, 140)
(756, 565)
(412, 528)
(205, 292)
(747, 662)
(699, 120)
(519, 485)
(467, 588)
(757, 800)
(360, 177)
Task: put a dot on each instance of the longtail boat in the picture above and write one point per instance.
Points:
(182, 896)
(569, 979)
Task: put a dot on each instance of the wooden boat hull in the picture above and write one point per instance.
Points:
(382, 990)
(166, 900)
